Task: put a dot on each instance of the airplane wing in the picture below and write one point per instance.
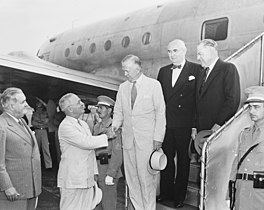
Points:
(39, 78)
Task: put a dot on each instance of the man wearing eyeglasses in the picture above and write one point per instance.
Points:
(78, 167)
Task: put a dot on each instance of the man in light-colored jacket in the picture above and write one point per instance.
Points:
(77, 170)
(140, 110)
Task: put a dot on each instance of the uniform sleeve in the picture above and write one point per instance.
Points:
(160, 117)
(75, 137)
(116, 157)
(5, 181)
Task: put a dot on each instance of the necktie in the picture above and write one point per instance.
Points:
(206, 70)
(175, 67)
(133, 94)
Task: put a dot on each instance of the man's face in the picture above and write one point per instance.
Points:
(103, 111)
(77, 105)
(256, 111)
(19, 108)
(176, 53)
(131, 70)
(204, 55)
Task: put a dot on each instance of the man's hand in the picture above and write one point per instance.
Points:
(215, 127)
(194, 133)
(12, 194)
(157, 145)
(115, 128)
(109, 180)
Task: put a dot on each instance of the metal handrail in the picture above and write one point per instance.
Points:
(215, 134)
(205, 149)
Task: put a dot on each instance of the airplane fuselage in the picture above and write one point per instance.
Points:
(98, 48)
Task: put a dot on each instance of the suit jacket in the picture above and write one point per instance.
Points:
(220, 97)
(19, 159)
(146, 122)
(78, 163)
(180, 99)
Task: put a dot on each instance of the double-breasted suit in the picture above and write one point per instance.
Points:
(180, 109)
(140, 126)
(19, 161)
(220, 96)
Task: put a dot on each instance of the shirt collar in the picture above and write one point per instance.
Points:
(17, 120)
(213, 64)
(138, 80)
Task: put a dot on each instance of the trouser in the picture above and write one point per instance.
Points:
(109, 199)
(141, 184)
(43, 143)
(176, 141)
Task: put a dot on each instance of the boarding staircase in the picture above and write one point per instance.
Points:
(249, 61)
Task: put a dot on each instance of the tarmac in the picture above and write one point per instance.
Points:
(49, 199)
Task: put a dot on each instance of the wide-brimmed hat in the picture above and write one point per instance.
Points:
(200, 139)
(157, 162)
(97, 195)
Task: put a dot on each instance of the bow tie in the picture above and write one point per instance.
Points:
(176, 67)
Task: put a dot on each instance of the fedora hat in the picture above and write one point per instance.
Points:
(97, 195)
(200, 139)
(157, 162)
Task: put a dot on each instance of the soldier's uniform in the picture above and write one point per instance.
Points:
(109, 161)
(40, 122)
(247, 196)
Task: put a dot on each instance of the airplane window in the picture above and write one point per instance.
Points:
(92, 48)
(146, 38)
(107, 45)
(67, 52)
(79, 50)
(125, 41)
(215, 29)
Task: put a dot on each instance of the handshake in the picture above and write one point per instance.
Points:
(111, 134)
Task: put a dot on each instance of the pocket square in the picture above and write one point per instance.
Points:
(191, 78)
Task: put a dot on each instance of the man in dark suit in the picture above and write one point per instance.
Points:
(218, 89)
(178, 81)
(20, 171)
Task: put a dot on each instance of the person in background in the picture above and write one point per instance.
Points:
(218, 89)
(58, 117)
(178, 82)
(40, 122)
(109, 160)
(140, 110)
(249, 176)
(20, 168)
(78, 167)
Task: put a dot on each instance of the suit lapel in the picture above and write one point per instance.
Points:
(18, 129)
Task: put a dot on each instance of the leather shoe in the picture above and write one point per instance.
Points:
(160, 199)
(178, 204)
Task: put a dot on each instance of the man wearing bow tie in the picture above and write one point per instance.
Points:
(178, 81)
(218, 89)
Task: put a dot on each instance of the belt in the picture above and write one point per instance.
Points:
(98, 157)
(245, 176)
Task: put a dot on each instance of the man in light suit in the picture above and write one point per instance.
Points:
(178, 81)
(218, 89)
(78, 167)
(140, 110)
(20, 170)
